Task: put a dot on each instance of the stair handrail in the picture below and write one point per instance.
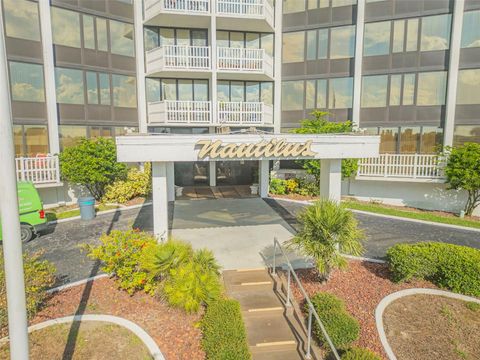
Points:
(311, 309)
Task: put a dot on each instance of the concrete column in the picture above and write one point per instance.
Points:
(140, 66)
(455, 43)
(213, 58)
(49, 76)
(212, 173)
(160, 200)
(171, 181)
(277, 87)
(263, 178)
(331, 179)
(357, 77)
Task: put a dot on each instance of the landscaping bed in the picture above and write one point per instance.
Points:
(412, 325)
(94, 340)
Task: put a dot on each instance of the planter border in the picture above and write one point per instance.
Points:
(387, 300)
(134, 328)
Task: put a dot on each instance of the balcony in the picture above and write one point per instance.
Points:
(42, 171)
(180, 113)
(402, 167)
(244, 64)
(168, 60)
(244, 113)
(254, 15)
(179, 13)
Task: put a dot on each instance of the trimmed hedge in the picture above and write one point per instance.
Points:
(449, 266)
(342, 328)
(357, 353)
(224, 335)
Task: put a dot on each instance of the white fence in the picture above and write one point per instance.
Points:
(244, 113)
(200, 6)
(178, 57)
(414, 166)
(241, 7)
(243, 59)
(39, 170)
(179, 112)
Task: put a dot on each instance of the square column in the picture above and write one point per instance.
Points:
(212, 173)
(263, 178)
(331, 179)
(170, 181)
(160, 200)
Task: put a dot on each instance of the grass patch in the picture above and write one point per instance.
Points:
(60, 213)
(473, 306)
(411, 214)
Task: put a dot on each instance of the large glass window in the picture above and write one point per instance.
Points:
(292, 95)
(395, 89)
(71, 135)
(65, 27)
(102, 37)
(342, 43)
(430, 139)
(311, 45)
(124, 91)
(377, 38)
(435, 33)
(466, 133)
(431, 88)
(310, 94)
(322, 44)
(36, 139)
(121, 38)
(337, 3)
(293, 47)
(412, 34)
(266, 42)
(408, 89)
(292, 6)
(340, 93)
(266, 92)
(374, 91)
(388, 140)
(409, 140)
(21, 19)
(468, 90)
(151, 38)
(321, 94)
(92, 88)
(88, 32)
(69, 86)
(398, 35)
(26, 82)
(104, 81)
(152, 89)
(471, 29)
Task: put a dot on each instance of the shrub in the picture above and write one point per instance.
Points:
(342, 328)
(121, 252)
(224, 335)
(291, 185)
(278, 186)
(449, 266)
(308, 188)
(357, 353)
(39, 276)
(138, 183)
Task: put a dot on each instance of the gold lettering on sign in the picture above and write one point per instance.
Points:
(273, 148)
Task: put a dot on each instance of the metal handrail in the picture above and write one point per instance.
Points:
(311, 309)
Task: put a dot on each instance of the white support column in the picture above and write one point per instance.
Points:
(357, 77)
(331, 179)
(263, 178)
(213, 58)
(160, 200)
(140, 67)
(212, 173)
(455, 43)
(277, 101)
(49, 76)
(171, 181)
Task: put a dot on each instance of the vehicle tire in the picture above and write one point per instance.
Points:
(26, 232)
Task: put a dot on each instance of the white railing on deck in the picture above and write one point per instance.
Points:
(241, 7)
(244, 113)
(179, 112)
(39, 170)
(414, 166)
(244, 59)
(197, 6)
(178, 57)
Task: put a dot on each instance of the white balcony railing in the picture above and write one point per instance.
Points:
(178, 57)
(182, 6)
(256, 8)
(179, 112)
(39, 170)
(244, 113)
(407, 166)
(243, 59)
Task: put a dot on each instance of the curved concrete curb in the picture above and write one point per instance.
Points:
(137, 330)
(387, 300)
(76, 283)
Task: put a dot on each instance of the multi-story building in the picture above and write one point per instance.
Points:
(407, 70)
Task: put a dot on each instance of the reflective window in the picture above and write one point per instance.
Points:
(340, 93)
(292, 6)
(409, 138)
(237, 91)
(322, 44)
(431, 88)
(266, 92)
(65, 27)
(266, 42)
(200, 90)
(377, 38)
(388, 140)
(30, 140)
(468, 90)
(169, 89)
(26, 82)
(337, 3)
(104, 88)
(252, 92)
(185, 90)
(21, 19)
(311, 45)
(293, 47)
(121, 38)
(69, 86)
(435, 33)
(88, 32)
(471, 29)
(395, 89)
(310, 94)
(408, 89)
(466, 133)
(430, 139)
(167, 36)
(71, 135)
(412, 35)
(342, 43)
(292, 95)
(101, 131)
(398, 35)
(102, 37)
(151, 38)
(321, 94)
(152, 89)
(374, 91)
(92, 87)
(318, 4)
(124, 91)
(18, 140)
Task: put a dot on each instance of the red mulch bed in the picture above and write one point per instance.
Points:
(173, 330)
(362, 286)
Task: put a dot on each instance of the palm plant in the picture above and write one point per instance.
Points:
(328, 229)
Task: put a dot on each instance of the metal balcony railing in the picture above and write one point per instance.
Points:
(244, 59)
(244, 113)
(39, 170)
(257, 8)
(178, 57)
(179, 112)
(186, 6)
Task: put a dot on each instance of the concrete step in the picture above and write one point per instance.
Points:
(266, 328)
(253, 300)
(275, 352)
(246, 280)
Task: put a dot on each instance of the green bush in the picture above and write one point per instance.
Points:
(39, 276)
(278, 186)
(357, 353)
(138, 183)
(342, 328)
(449, 266)
(224, 335)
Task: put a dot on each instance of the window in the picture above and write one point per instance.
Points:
(292, 6)
(310, 94)
(311, 45)
(252, 92)
(21, 19)
(337, 3)
(88, 32)
(65, 27)
(432, 88)
(340, 93)
(241, 91)
(92, 88)
(102, 37)
(26, 82)
(69, 86)
(468, 91)
(266, 92)
(293, 47)
(318, 4)
(395, 89)
(466, 133)
(321, 94)
(430, 139)
(408, 89)
(151, 38)
(71, 135)
(471, 29)
(152, 89)
(409, 138)
(30, 140)
(342, 43)
(121, 38)
(322, 44)
(374, 91)
(388, 140)
(124, 91)
(377, 38)
(200, 90)
(98, 89)
(104, 88)
(292, 95)
(435, 33)
(266, 42)
(398, 35)
(412, 34)
(100, 131)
